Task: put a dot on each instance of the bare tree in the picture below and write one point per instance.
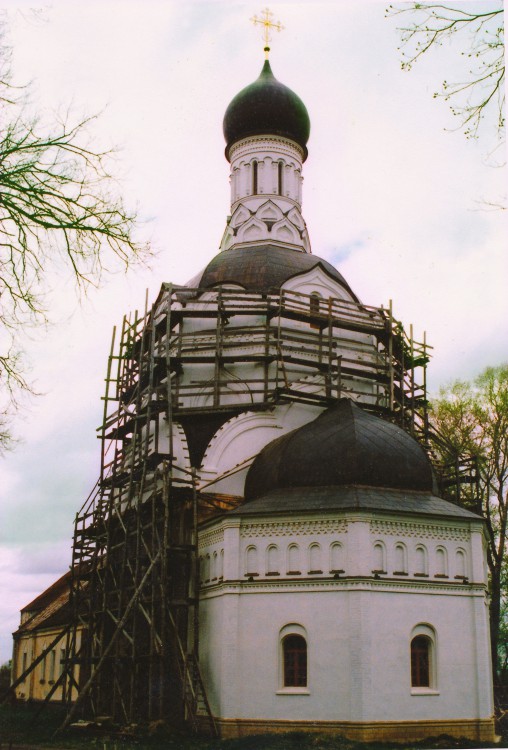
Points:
(430, 24)
(59, 207)
(473, 419)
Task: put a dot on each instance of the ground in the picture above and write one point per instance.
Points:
(20, 727)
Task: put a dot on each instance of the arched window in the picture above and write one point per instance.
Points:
(460, 564)
(251, 561)
(294, 657)
(336, 558)
(441, 563)
(379, 558)
(272, 560)
(221, 564)
(314, 307)
(213, 572)
(293, 560)
(421, 646)
(423, 659)
(207, 569)
(280, 178)
(421, 561)
(315, 558)
(400, 561)
(254, 178)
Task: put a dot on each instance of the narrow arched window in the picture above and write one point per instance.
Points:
(421, 561)
(314, 308)
(400, 559)
(293, 560)
(272, 560)
(421, 646)
(379, 558)
(315, 558)
(460, 564)
(441, 563)
(251, 561)
(254, 178)
(213, 573)
(294, 652)
(280, 178)
(336, 558)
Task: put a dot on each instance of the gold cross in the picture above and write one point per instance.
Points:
(268, 24)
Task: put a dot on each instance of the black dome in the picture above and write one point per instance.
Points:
(344, 446)
(262, 268)
(266, 107)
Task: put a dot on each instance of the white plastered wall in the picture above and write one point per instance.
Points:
(358, 629)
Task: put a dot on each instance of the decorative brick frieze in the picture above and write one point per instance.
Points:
(210, 538)
(294, 528)
(427, 531)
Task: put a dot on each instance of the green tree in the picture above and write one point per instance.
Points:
(60, 207)
(481, 27)
(473, 420)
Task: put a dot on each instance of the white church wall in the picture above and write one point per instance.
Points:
(358, 627)
(459, 685)
(358, 654)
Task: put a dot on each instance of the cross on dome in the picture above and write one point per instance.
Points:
(268, 23)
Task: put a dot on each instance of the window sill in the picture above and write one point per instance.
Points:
(424, 691)
(293, 691)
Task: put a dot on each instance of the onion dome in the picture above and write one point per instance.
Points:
(266, 107)
(345, 446)
(262, 268)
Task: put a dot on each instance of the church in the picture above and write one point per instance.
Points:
(267, 548)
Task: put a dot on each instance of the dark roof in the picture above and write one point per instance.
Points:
(313, 499)
(343, 446)
(266, 107)
(262, 268)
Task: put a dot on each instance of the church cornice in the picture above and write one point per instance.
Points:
(344, 584)
(257, 143)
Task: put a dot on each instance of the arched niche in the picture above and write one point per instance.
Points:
(233, 448)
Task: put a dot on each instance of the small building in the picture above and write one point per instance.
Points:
(43, 628)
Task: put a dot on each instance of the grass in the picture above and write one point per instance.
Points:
(21, 726)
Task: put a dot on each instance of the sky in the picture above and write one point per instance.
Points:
(394, 195)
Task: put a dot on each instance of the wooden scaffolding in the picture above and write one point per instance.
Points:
(132, 647)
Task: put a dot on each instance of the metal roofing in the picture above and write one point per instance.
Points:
(266, 107)
(262, 268)
(314, 499)
(343, 446)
